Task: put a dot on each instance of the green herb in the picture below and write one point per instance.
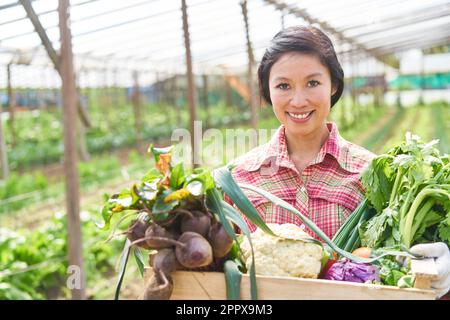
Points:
(410, 191)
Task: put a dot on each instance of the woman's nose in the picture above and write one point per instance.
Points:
(298, 98)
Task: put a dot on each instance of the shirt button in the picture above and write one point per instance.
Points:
(303, 189)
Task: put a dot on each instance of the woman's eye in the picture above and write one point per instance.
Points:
(283, 86)
(313, 83)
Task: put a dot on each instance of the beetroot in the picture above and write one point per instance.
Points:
(137, 231)
(193, 250)
(154, 234)
(160, 288)
(220, 242)
(164, 260)
(195, 221)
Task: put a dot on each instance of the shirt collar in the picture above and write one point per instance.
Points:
(276, 149)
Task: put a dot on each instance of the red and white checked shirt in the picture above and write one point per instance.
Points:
(327, 191)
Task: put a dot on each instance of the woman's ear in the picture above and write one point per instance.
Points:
(333, 90)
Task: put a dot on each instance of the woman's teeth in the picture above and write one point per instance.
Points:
(300, 115)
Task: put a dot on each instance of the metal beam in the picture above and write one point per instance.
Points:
(396, 25)
(345, 12)
(397, 21)
(40, 14)
(208, 24)
(409, 44)
(51, 51)
(84, 19)
(11, 5)
(419, 44)
(41, 32)
(213, 26)
(112, 26)
(422, 36)
(440, 26)
(328, 28)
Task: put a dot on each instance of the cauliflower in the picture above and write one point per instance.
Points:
(290, 257)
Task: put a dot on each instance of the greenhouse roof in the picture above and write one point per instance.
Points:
(147, 34)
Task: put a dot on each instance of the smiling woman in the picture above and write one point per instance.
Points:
(307, 163)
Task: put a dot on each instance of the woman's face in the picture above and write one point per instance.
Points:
(300, 89)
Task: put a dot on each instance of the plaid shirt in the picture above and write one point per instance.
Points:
(327, 191)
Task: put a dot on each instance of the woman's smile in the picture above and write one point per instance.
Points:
(298, 117)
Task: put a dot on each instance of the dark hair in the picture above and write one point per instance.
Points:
(305, 40)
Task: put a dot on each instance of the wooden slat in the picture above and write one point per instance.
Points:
(425, 271)
(211, 286)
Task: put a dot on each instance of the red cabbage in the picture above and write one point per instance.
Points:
(345, 270)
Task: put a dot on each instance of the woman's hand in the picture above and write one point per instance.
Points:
(441, 253)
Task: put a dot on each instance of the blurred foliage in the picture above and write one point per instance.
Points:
(33, 264)
(19, 191)
(40, 135)
(445, 48)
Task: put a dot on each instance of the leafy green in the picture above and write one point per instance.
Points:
(348, 237)
(122, 267)
(232, 280)
(409, 189)
(177, 176)
(33, 263)
(392, 272)
(444, 229)
(225, 212)
(226, 182)
(161, 206)
(379, 176)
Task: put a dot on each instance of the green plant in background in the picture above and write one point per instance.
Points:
(19, 191)
(33, 264)
(441, 119)
(17, 184)
(40, 138)
(99, 170)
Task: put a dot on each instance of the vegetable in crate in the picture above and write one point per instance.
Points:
(296, 254)
(171, 219)
(345, 270)
(184, 218)
(409, 187)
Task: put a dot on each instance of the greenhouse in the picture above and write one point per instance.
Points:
(135, 137)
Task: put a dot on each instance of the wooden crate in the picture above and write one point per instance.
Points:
(211, 286)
